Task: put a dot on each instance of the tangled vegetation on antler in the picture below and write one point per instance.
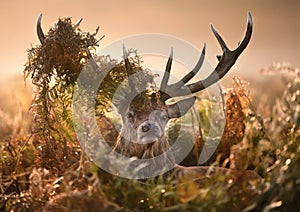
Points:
(61, 57)
(116, 78)
(53, 69)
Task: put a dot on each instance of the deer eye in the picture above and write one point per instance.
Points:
(130, 115)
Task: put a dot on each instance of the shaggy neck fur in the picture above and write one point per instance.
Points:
(160, 148)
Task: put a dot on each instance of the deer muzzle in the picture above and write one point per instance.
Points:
(149, 132)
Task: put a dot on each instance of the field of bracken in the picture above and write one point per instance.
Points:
(42, 166)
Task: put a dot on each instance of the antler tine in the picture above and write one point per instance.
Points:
(247, 38)
(78, 23)
(164, 82)
(92, 60)
(127, 63)
(219, 39)
(40, 32)
(227, 60)
(195, 70)
(128, 68)
(192, 73)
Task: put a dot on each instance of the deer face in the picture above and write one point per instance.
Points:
(147, 116)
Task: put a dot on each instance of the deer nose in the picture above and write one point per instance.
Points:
(146, 127)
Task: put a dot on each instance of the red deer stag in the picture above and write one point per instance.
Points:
(143, 128)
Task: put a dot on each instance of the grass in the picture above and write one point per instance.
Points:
(37, 174)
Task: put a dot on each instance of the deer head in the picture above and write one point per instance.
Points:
(143, 127)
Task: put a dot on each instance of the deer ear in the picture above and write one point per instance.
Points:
(180, 108)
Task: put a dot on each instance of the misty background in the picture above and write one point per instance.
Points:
(275, 36)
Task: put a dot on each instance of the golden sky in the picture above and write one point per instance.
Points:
(276, 36)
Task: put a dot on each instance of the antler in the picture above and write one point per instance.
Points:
(40, 30)
(226, 61)
(129, 70)
(165, 79)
